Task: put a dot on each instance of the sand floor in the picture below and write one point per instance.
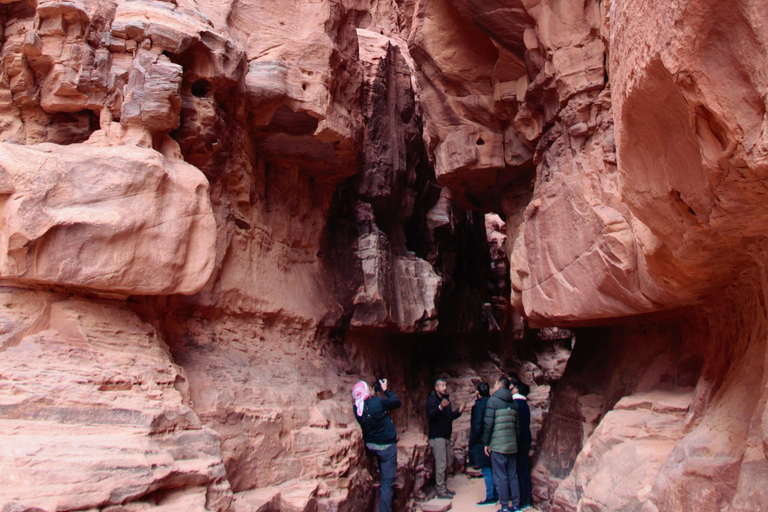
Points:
(468, 492)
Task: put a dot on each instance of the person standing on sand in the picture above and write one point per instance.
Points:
(520, 392)
(477, 456)
(379, 434)
(441, 416)
(500, 434)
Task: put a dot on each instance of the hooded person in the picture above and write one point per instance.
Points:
(500, 437)
(477, 456)
(379, 434)
(520, 392)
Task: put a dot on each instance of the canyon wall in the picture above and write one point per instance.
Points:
(217, 216)
(644, 215)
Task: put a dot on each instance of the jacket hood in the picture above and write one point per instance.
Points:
(504, 394)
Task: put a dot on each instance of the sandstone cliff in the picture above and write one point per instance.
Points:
(217, 216)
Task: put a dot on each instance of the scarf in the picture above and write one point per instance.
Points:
(360, 393)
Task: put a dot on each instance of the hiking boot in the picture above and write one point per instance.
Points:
(489, 501)
(444, 496)
(450, 492)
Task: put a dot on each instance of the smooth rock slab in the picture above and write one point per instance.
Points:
(113, 219)
(436, 505)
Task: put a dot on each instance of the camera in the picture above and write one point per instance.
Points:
(377, 385)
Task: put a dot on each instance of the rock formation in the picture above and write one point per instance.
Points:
(217, 216)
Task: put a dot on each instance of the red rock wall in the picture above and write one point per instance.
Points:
(216, 216)
(246, 198)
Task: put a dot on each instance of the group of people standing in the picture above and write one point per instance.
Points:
(499, 439)
(500, 442)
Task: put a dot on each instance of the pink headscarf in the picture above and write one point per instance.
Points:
(360, 393)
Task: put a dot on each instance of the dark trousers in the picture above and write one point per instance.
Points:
(524, 476)
(388, 469)
(505, 479)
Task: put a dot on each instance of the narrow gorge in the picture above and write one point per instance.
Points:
(216, 216)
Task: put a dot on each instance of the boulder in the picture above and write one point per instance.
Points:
(116, 220)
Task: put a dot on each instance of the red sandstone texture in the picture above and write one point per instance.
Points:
(217, 216)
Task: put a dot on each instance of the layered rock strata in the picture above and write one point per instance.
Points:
(217, 216)
(646, 150)
(185, 164)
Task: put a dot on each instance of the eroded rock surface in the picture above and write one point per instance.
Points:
(281, 193)
(113, 220)
(95, 413)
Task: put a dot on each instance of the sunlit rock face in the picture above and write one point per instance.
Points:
(217, 216)
(214, 215)
(470, 82)
(142, 225)
(646, 199)
(646, 126)
(635, 169)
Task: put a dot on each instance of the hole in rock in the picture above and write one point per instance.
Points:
(200, 88)
(303, 87)
(242, 224)
(287, 121)
(72, 127)
(480, 142)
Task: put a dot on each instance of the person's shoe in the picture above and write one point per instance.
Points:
(489, 501)
(448, 491)
(444, 496)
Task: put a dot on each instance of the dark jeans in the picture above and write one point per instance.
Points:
(388, 469)
(490, 490)
(505, 479)
(524, 476)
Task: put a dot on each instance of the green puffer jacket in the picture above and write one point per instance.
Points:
(502, 424)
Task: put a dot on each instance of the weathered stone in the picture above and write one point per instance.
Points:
(143, 224)
(95, 413)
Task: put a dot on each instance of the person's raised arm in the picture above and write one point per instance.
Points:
(390, 400)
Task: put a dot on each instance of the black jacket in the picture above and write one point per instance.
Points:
(376, 424)
(440, 422)
(525, 422)
(477, 456)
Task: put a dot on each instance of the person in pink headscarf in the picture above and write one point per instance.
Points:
(379, 434)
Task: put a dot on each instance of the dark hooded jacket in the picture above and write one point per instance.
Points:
(477, 456)
(525, 423)
(502, 423)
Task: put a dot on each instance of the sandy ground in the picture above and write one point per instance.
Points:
(468, 492)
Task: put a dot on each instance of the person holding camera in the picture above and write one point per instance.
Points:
(379, 433)
(441, 418)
